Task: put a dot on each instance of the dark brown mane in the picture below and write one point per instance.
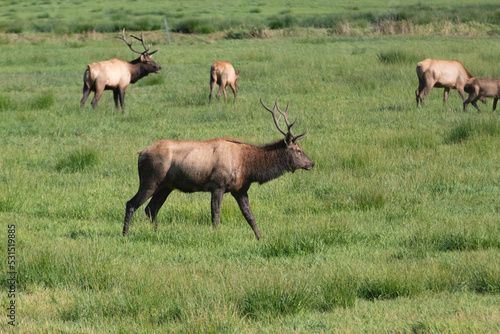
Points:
(267, 162)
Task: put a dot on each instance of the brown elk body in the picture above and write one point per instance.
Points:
(223, 73)
(441, 74)
(116, 74)
(480, 88)
(217, 166)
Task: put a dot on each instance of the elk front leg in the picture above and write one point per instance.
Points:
(233, 87)
(474, 103)
(217, 195)
(244, 204)
(495, 103)
(121, 93)
(472, 98)
(447, 91)
(116, 97)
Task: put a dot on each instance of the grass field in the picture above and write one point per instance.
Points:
(238, 17)
(396, 229)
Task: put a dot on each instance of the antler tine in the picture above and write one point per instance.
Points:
(144, 44)
(273, 112)
(142, 41)
(122, 37)
(285, 116)
(302, 135)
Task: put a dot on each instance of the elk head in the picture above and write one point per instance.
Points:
(299, 159)
(149, 64)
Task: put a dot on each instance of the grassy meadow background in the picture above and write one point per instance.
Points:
(396, 229)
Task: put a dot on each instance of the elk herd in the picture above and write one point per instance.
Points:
(452, 74)
(228, 165)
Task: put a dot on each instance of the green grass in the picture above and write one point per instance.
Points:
(396, 229)
(203, 18)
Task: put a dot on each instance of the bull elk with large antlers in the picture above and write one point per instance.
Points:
(217, 166)
(116, 74)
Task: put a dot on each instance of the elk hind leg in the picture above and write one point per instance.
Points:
(424, 89)
(99, 89)
(222, 86)
(86, 93)
(142, 195)
(213, 81)
(156, 203)
(222, 89)
(421, 86)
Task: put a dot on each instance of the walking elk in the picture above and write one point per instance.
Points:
(223, 73)
(441, 74)
(116, 74)
(481, 88)
(217, 166)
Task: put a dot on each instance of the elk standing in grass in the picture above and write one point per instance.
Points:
(217, 166)
(116, 74)
(223, 73)
(441, 74)
(481, 88)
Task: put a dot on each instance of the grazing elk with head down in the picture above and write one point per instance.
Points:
(116, 74)
(481, 88)
(441, 74)
(217, 166)
(223, 73)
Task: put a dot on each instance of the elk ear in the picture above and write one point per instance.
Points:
(237, 72)
(289, 139)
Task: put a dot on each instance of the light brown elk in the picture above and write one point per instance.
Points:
(441, 74)
(481, 88)
(223, 73)
(116, 74)
(217, 166)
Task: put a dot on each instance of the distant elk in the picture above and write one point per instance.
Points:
(223, 73)
(217, 166)
(481, 88)
(441, 74)
(116, 74)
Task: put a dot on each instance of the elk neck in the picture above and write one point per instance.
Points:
(137, 70)
(267, 162)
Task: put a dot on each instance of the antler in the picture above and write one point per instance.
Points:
(143, 44)
(285, 116)
(122, 37)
